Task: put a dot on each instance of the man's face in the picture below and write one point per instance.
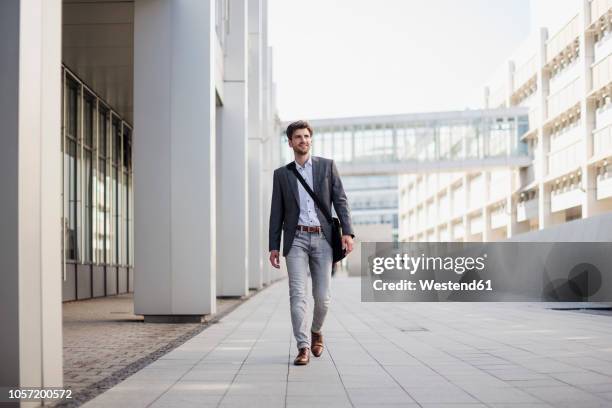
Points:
(300, 141)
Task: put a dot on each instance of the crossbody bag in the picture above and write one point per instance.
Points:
(336, 239)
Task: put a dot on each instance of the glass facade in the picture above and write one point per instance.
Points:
(436, 139)
(97, 179)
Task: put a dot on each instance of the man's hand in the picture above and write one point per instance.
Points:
(275, 259)
(347, 243)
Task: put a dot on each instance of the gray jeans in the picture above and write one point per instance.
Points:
(310, 254)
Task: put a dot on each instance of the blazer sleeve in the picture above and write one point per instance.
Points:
(277, 214)
(340, 202)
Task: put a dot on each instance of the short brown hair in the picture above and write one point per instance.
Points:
(298, 124)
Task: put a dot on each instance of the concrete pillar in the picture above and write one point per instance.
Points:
(258, 247)
(590, 205)
(439, 213)
(466, 219)
(486, 212)
(275, 158)
(513, 227)
(232, 151)
(30, 203)
(449, 223)
(174, 159)
(266, 191)
(544, 215)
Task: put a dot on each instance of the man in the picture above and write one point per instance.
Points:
(307, 234)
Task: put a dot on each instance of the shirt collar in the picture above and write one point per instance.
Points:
(307, 164)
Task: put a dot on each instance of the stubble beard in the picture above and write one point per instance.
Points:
(302, 151)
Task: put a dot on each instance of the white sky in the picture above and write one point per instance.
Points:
(335, 58)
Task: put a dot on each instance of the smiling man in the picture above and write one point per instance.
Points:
(307, 234)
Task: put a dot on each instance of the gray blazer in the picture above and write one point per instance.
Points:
(285, 210)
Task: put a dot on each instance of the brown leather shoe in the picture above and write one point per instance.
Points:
(316, 343)
(303, 356)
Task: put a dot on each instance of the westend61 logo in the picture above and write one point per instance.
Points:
(413, 264)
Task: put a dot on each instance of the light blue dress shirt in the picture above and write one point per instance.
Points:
(308, 213)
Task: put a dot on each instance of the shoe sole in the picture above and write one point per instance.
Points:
(300, 362)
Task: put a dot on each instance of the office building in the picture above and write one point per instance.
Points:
(563, 76)
(135, 157)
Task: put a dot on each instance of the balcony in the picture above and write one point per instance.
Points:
(458, 199)
(444, 237)
(604, 186)
(563, 100)
(458, 231)
(602, 141)
(499, 218)
(603, 115)
(444, 209)
(565, 138)
(566, 159)
(565, 200)
(476, 224)
(564, 38)
(602, 73)
(603, 47)
(564, 76)
(431, 217)
(527, 210)
(599, 8)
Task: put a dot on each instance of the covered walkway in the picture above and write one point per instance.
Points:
(385, 354)
(452, 141)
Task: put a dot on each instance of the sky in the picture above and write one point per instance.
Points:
(339, 58)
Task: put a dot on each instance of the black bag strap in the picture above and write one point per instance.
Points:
(326, 214)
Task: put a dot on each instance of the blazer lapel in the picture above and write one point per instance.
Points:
(292, 181)
(316, 172)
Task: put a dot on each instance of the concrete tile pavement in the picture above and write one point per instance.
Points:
(104, 341)
(443, 355)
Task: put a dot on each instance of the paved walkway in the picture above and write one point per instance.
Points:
(105, 342)
(450, 355)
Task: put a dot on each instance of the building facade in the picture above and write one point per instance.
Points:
(97, 195)
(564, 78)
(136, 156)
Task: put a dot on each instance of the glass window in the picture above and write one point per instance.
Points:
(88, 179)
(98, 178)
(359, 140)
(126, 201)
(348, 145)
(71, 242)
(70, 202)
(116, 192)
(102, 191)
